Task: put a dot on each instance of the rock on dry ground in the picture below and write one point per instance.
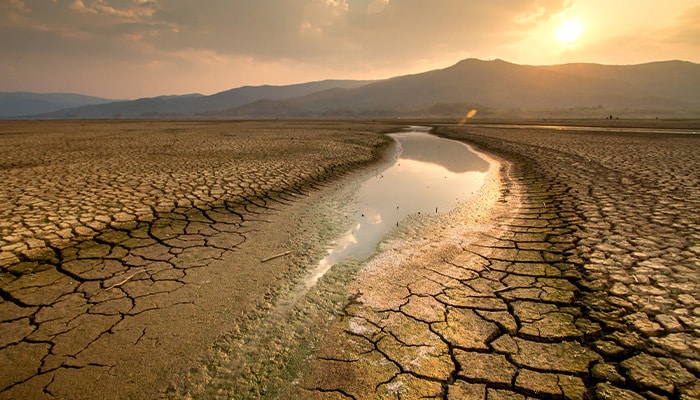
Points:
(120, 242)
(581, 282)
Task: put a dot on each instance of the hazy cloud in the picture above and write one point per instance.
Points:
(17, 6)
(289, 40)
(687, 27)
(132, 11)
(303, 29)
(377, 6)
(542, 10)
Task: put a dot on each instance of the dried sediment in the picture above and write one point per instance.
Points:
(581, 282)
(633, 197)
(573, 277)
(126, 248)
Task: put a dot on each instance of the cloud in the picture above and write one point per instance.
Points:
(377, 6)
(686, 28)
(306, 30)
(133, 10)
(543, 10)
(13, 10)
(16, 5)
(675, 37)
(331, 38)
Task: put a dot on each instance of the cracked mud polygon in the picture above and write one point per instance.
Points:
(130, 256)
(128, 248)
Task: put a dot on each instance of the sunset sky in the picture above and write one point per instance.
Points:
(140, 48)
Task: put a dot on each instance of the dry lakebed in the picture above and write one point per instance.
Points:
(349, 260)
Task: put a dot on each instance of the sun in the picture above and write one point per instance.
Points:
(569, 31)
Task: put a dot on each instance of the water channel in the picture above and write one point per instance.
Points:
(429, 175)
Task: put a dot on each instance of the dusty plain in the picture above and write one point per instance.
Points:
(130, 266)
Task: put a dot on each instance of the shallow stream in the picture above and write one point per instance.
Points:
(429, 175)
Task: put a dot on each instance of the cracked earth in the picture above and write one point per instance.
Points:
(127, 250)
(574, 276)
(121, 242)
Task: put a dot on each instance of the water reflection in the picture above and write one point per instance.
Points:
(431, 175)
(451, 155)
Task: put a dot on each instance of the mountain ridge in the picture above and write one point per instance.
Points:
(511, 88)
(15, 104)
(496, 87)
(196, 106)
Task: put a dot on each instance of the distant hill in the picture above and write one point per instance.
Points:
(199, 105)
(17, 104)
(493, 88)
(671, 87)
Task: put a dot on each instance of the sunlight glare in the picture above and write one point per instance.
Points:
(569, 31)
(470, 114)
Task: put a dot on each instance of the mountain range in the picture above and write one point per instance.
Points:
(15, 104)
(493, 88)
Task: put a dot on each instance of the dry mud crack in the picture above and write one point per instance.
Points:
(120, 242)
(580, 283)
(575, 274)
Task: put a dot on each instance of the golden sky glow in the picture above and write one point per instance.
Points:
(138, 48)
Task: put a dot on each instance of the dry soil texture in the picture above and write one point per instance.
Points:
(581, 282)
(119, 242)
(129, 248)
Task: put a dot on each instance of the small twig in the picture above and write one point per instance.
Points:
(276, 256)
(128, 278)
